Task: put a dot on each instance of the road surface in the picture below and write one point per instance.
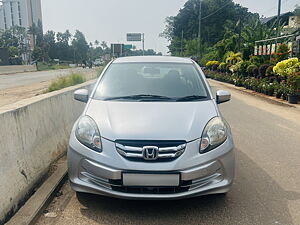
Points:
(266, 190)
(21, 79)
(16, 87)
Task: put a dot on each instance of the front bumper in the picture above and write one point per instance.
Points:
(200, 174)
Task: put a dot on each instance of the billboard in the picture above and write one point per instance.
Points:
(273, 49)
(260, 50)
(264, 51)
(128, 47)
(117, 49)
(134, 37)
(269, 49)
(255, 50)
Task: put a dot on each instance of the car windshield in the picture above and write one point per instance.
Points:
(151, 82)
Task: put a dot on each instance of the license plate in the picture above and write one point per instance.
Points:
(151, 180)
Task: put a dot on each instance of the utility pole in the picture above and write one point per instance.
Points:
(240, 34)
(278, 22)
(143, 35)
(199, 30)
(181, 52)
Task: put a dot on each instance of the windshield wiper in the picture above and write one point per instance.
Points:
(139, 97)
(190, 98)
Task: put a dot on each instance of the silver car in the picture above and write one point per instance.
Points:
(151, 129)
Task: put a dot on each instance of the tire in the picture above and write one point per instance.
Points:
(82, 197)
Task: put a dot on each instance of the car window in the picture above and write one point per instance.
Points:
(170, 80)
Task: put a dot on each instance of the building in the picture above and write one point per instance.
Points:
(288, 19)
(294, 22)
(284, 18)
(23, 13)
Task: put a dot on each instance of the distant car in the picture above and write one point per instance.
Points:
(98, 62)
(151, 129)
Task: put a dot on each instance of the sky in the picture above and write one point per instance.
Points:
(110, 20)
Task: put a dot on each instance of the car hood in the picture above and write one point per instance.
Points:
(151, 120)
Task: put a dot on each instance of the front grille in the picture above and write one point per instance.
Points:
(160, 150)
(151, 190)
(184, 186)
(116, 185)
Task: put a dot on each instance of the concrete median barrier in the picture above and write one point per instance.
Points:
(33, 134)
(17, 69)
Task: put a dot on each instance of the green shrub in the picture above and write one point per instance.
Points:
(255, 72)
(222, 67)
(228, 65)
(243, 67)
(281, 53)
(210, 64)
(215, 67)
(287, 67)
(269, 71)
(255, 60)
(234, 68)
(99, 70)
(262, 70)
(67, 81)
(48, 66)
(250, 69)
(294, 83)
(238, 80)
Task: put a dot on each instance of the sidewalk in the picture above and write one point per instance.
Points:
(5, 70)
(271, 99)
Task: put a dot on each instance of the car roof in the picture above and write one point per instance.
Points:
(153, 59)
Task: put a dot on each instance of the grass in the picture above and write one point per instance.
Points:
(46, 66)
(63, 82)
(99, 70)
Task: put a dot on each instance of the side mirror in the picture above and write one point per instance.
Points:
(223, 96)
(81, 95)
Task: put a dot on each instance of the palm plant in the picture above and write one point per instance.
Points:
(233, 58)
(255, 30)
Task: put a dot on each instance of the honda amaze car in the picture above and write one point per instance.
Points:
(151, 129)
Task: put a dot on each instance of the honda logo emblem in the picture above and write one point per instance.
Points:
(150, 152)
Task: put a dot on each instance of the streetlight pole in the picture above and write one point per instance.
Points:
(199, 29)
(278, 22)
(240, 34)
(143, 35)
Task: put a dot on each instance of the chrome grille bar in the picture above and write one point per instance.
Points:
(163, 153)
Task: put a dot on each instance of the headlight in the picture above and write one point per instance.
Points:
(88, 133)
(214, 134)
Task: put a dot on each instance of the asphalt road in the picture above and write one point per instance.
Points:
(21, 79)
(266, 189)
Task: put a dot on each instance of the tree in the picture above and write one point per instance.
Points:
(216, 14)
(95, 52)
(36, 30)
(297, 10)
(191, 47)
(15, 39)
(254, 31)
(63, 48)
(37, 54)
(96, 43)
(13, 51)
(50, 44)
(33, 30)
(80, 47)
(168, 32)
(104, 45)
